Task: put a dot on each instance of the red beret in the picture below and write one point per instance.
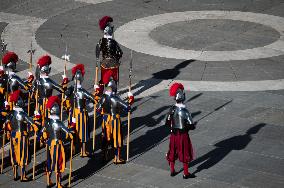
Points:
(78, 67)
(44, 60)
(103, 22)
(10, 57)
(175, 87)
(51, 101)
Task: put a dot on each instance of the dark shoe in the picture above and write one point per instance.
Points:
(119, 161)
(24, 178)
(188, 176)
(16, 177)
(173, 173)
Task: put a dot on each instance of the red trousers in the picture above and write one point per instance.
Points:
(180, 147)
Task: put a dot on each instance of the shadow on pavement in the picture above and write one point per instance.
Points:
(158, 77)
(224, 147)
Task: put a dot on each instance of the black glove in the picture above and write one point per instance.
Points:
(192, 126)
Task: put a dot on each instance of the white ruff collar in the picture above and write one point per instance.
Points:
(180, 105)
(108, 93)
(18, 109)
(11, 73)
(54, 117)
(79, 86)
(107, 36)
(44, 76)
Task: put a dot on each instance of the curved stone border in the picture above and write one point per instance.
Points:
(210, 86)
(135, 35)
(21, 30)
(18, 34)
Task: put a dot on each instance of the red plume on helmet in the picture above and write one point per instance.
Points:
(51, 101)
(78, 67)
(15, 96)
(103, 22)
(10, 57)
(107, 75)
(175, 87)
(44, 60)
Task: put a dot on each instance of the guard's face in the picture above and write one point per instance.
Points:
(45, 69)
(180, 96)
(55, 110)
(108, 30)
(78, 76)
(11, 65)
(20, 103)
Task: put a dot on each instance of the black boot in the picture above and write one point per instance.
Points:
(188, 176)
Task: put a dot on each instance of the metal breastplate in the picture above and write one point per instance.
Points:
(14, 83)
(111, 105)
(55, 129)
(79, 98)
(17, 122)
(109, 48)
(45, 88)
(180, 118)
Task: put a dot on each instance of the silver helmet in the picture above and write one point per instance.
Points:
(45, 69)
(20, 102)
(180, 95)
(11, 65)
(109, 29)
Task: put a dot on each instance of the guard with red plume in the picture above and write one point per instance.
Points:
(109, 49)
(179, 121)
(56, 131)
(22, 125)
(79, 112)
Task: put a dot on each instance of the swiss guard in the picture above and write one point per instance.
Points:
(180, 122)
(44, 85)
(55, 130)
(111, 52)
(79, 112)
(20, 125)
(111, 106)
(10, 60)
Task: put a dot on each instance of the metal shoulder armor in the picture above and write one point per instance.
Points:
(88, 95)
(181, 118)
(15, 82)
(44, 88)
(121, 103)
(116, 104)
(18, 119)
(54, 129)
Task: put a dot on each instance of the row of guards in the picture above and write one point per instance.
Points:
(30, 111)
